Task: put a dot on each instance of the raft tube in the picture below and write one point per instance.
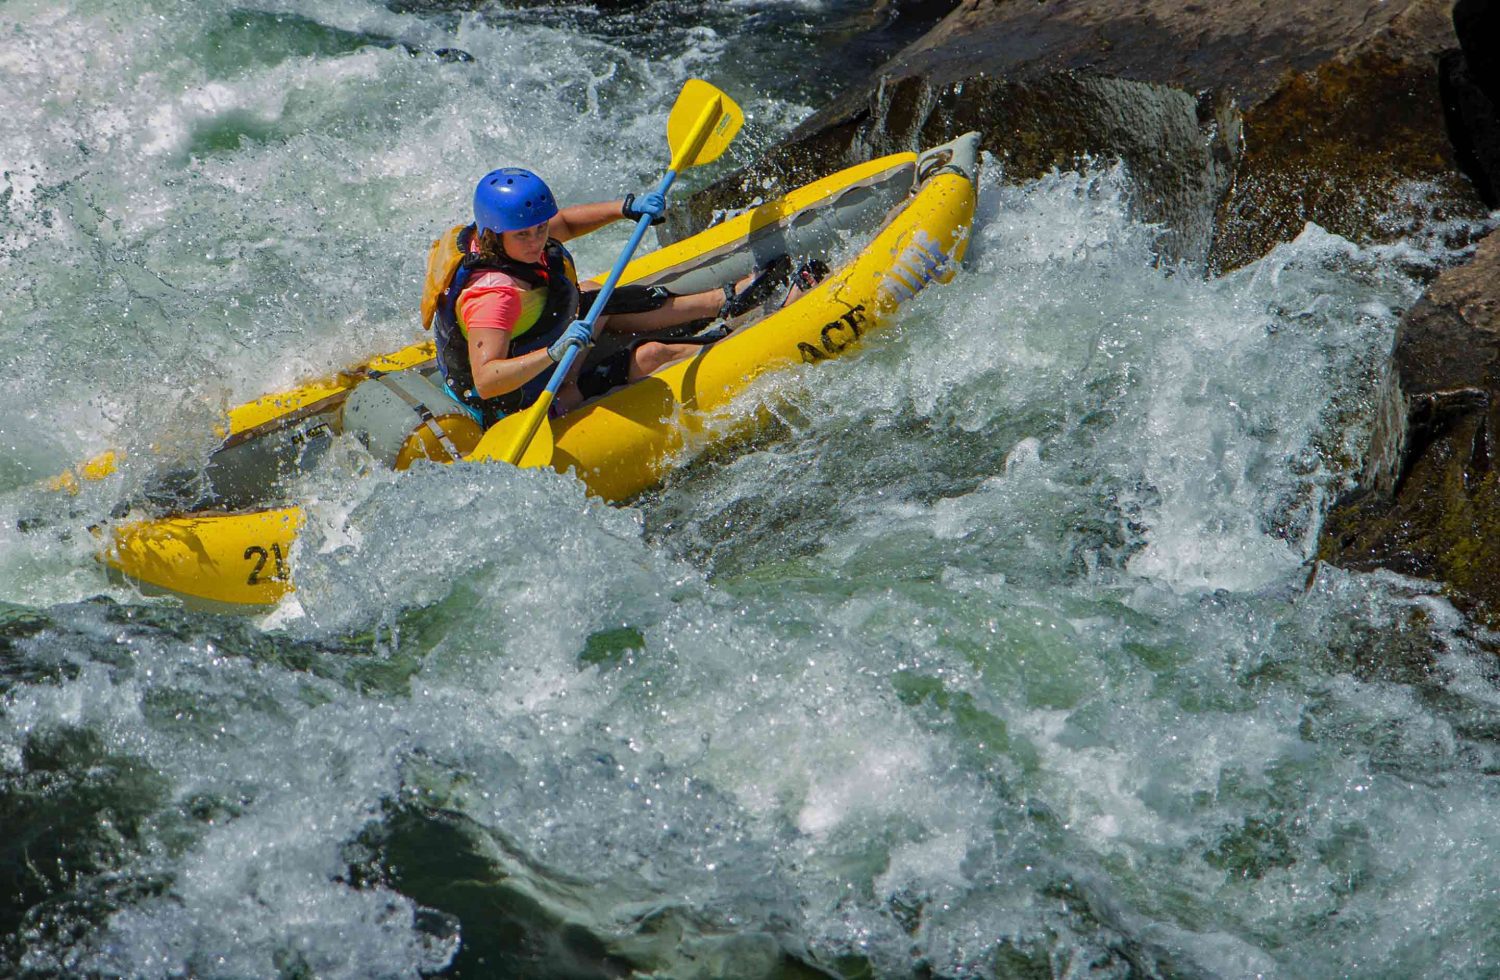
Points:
(230, 543)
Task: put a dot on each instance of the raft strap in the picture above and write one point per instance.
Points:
(423, 412)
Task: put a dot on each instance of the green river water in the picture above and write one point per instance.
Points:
(1000, 654)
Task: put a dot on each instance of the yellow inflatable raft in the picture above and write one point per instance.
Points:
(234, 544)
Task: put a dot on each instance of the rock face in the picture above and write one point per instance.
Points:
(1471, 94)
(1430, 504)
(1240, 121)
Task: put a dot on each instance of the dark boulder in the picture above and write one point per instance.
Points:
(928, 12)
(859, 42)
(1471, 94)
(1429, 503)
(1239, 121)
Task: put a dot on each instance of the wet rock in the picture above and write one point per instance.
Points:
(1239, 121)
(445, 55)
(929, 12)
(1471, 94)
(860, 42)
(1429, 503)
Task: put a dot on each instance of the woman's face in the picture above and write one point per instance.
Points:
(525, 245)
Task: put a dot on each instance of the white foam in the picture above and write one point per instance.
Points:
(1064, 501)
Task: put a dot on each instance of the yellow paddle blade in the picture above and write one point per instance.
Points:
(702, 123)
(532, 421)
(538, 452)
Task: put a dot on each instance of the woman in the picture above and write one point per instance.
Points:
(506, 299)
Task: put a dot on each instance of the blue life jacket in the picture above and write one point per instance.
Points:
(555, 273)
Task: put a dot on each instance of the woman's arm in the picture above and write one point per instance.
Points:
(491, 308)
(494, 373)
(580, 219)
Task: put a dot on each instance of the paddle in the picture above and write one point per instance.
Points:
(702, 123)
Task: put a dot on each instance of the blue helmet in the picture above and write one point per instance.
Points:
(510, 199)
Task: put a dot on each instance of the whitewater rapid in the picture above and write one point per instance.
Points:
(1002, 650)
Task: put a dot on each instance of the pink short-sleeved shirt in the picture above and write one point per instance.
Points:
(491, 301)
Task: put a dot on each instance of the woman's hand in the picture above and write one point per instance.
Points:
(652, 203)
(578, 334)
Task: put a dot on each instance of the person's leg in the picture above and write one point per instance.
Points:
(728, 302)
(568, 398)
(676, 310)
(650, 357)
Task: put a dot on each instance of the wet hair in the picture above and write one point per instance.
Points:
(490, 250)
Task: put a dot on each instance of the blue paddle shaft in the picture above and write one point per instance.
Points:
(605, 291)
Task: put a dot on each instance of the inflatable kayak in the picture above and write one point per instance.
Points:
(886, 228)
